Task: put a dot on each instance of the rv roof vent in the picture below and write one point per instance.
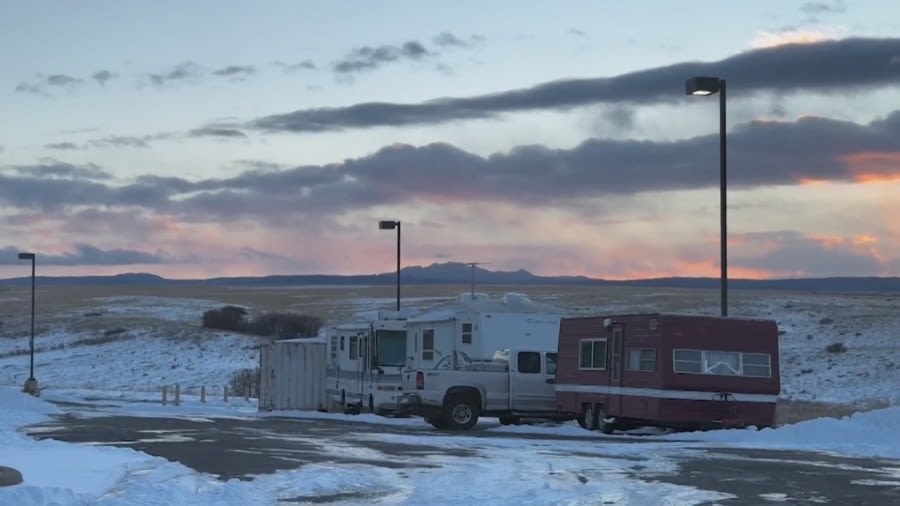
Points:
(515, 299)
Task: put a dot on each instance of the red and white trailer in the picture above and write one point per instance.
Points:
(668, 370)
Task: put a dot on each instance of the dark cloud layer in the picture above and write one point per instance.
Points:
(85, 254)
(760, 154)
(843, 65)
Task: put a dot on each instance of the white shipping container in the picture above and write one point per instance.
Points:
(292, 375)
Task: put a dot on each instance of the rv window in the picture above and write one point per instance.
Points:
(391, 347)
(467, 333)
(592, 354)
(688, 361)
(529, 362)
(642, 359)
(722, 363)
(354, 347)
(428, 344)
(342, 343)
(757, 365)
(551, 363)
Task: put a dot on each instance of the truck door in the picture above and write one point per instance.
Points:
(616, 365)
(530, 385)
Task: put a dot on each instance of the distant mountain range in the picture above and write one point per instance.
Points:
(460, 273)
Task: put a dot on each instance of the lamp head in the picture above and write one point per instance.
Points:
(26, 256)
(701, 85)
(387, 224)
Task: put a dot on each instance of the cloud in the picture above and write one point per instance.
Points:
(102, 76)
(813, 35)
(182, 72)
(576, 32)
(236, 71)
(61, 145)
(54, 168)
(761, 153)
(800, 254)
(368, 58)
(816, 8)
(822, 67)
(113, 141)
(296, 67)
(85, 254)
(218, 132)
(42, 83)
(448, 39)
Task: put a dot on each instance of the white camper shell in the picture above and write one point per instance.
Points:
(365, 356)
(473, 326)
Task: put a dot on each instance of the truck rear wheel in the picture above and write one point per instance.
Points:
(589, 417)
(461, 412)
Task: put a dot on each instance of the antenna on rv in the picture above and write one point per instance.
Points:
(472, 279)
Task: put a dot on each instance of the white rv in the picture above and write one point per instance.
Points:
(365, 356)
(474, 326)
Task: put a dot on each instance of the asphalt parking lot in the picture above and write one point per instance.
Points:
(244, 447)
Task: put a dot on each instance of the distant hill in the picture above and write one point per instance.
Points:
(460, 273)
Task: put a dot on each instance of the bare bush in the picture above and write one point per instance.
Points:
(226, 318)
(277, 325)
(243, 380)
(285, 325)
(836, 348)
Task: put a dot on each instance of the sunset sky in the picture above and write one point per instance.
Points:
(197, 139)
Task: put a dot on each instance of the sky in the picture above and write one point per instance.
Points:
(209, 139)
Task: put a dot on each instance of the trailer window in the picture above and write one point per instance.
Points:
(757, 365)
(592, 354)
(688, 361)
(642, 359)
(529, 362)
(428, 344)
(467, 333)
(722, 363)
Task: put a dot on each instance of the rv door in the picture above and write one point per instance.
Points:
(616, 365)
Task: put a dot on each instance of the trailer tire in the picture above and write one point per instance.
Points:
(602, 425)
(461, 412)
(589, 415)
(509, 420)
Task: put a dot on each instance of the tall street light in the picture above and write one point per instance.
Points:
(390, 225)
(31, 384)
(704, 85)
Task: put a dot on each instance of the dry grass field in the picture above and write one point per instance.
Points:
(815, 382)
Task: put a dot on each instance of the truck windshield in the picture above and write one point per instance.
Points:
(391, 351)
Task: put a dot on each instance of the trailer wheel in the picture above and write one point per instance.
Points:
(371, 404)
(461, 412)
(509, 420)
(602, 425)
(589, 416)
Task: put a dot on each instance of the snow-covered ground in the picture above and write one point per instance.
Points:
(124, 349)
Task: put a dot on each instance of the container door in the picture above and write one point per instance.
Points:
(616, 366)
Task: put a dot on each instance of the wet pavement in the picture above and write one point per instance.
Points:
(244, 447)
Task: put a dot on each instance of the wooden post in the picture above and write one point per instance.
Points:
(225, 391)
(177, 394)
(203, 393)
(165, 394)
(247, 393)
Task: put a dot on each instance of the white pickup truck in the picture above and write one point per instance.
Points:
(515, 384)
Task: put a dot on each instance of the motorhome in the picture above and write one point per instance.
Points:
(365, 356)
(668, 370)
(473, 326)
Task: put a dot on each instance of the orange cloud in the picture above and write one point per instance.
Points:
(797, 36)
(874, 167)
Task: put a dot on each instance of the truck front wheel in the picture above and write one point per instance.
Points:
(461, 412)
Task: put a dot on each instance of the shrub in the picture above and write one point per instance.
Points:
(836, 348)
(243, 379)
(226, 318)
(285, 325)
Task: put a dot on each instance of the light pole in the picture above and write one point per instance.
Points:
(390, 225)
(701, 85)
(31, 385)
